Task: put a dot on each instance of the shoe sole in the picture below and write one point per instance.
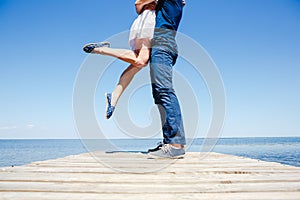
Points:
(106, 106)
(97, 45)
(158, 157)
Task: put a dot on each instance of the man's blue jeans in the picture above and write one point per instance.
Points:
(163, 58)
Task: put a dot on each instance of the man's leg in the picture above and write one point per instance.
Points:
(163, 58)
(164, 95)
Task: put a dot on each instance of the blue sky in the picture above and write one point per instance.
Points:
(255, 44)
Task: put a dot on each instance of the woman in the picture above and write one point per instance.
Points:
(141, 33)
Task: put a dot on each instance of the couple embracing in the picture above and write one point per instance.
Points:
(152, 39)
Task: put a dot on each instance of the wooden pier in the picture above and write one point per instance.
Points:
(125, 175)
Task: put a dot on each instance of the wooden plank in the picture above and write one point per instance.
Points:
(202, 196)
(198, 176)
(102, 177)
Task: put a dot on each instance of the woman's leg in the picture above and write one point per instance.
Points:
(137, 58)
(122, 54)
(124, 81)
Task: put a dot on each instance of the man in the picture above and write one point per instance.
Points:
(163, 57)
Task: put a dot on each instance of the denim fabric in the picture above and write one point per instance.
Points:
(168, 16)
(163, 58)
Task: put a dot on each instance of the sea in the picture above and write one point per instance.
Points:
(285, 150)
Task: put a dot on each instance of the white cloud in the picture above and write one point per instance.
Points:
(8, 127)
(30, 126)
